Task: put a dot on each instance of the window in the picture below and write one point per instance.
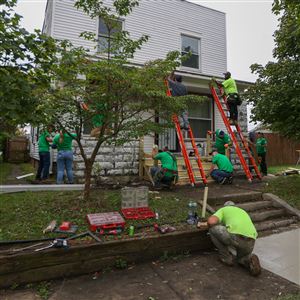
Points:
(191, 44)
(106, 32)
(200, 117)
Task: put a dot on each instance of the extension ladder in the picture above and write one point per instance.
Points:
(238, 140)
(190, 171)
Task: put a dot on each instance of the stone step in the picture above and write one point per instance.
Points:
(253, 206)
(267, 214)
(275, 223)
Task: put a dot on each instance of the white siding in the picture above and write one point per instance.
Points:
(47, 26)
(164, 21)
(219, 124)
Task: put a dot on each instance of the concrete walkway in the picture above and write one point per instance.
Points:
(280, 254)
(40, 187)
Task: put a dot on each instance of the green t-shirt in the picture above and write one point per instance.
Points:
(220, 142)
(237, 221)
(67, 141)
(43, 143)
(167, 161)
(260, 145)
(229, 86)
(222, 162)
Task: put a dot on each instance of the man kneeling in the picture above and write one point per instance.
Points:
(223, 173)
(165, 174)
(231, 228)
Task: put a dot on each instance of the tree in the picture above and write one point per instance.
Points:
(119, 99)
(276, 93)
(20, 53)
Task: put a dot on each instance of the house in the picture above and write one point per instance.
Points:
(171, 25)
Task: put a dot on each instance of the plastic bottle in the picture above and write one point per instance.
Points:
(131, 230)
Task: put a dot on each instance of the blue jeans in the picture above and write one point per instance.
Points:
(44, 165)
(64, 161)
(158, 177)
(218, 175)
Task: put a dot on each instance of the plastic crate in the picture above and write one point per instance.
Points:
(110, 220)
(138, 213)
(135, 197)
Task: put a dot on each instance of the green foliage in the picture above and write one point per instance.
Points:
(121, 263)
(43, 289)
(20, 52)
(276, 93)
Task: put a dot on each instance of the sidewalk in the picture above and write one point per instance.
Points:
(280, 254)
(197, 277)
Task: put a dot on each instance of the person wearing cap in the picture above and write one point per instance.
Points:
(221, 168)
(233, 98)
(222, 141)
(178, 89)
(231, 227)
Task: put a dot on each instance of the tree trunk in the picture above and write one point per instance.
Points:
(87, 178)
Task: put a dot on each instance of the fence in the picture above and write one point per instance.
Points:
(281, 150)
(16, 150)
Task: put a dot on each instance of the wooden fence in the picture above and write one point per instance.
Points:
(16, 150)
(281, 150)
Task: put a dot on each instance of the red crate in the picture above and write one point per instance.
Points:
(138, 213)
(110, 220)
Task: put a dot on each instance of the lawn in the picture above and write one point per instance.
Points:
(5, 170)
(287, 188)
(25, 215)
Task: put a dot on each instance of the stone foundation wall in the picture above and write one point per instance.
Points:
(113, 160)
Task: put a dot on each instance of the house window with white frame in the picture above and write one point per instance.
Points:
(191, 45)
(106, 32)
(200, 118)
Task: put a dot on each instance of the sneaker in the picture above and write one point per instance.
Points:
(230, 180)
(254, 265)
(223, 181)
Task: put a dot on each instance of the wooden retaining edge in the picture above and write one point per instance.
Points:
(49, 264)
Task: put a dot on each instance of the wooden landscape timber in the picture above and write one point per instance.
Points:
(26, 267)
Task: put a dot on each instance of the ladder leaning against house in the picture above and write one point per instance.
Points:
(239, 141)
(192, 172)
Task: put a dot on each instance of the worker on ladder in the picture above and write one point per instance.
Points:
(177, 88)
(233, 98)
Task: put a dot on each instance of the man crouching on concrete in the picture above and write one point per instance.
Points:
(231, 228)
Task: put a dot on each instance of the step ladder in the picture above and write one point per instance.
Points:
(239, 141)
(191, 174)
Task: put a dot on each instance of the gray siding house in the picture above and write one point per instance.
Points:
(171, 25)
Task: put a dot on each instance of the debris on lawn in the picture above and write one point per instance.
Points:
(50, 227)
(24, 176)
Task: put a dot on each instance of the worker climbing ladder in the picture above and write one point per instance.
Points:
(192, 176)
(238, 140)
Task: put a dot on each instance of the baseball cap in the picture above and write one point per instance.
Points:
(221, 133)
(229, 203)
(227, 73)
(213, 150)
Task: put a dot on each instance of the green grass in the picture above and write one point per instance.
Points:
(27, 168)
(5, 170)
(279, 169)
(25, 215)
(287, 188)
(289, 297)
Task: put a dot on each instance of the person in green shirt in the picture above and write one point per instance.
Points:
(231, 227)
(222, 141)
(44, 154)
(164, 175)
(223, 173)
(233, 98)
(261, 149)
(63, 142)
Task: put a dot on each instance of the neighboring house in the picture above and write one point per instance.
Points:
(171, 25)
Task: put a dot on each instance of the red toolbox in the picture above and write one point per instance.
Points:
(110, 220)
(138, 213)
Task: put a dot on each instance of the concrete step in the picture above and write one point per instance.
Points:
(267, 214)
(275, 223)
(253, 206)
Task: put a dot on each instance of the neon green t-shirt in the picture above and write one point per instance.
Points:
(260, 143)
(222, 162)
(67, 141)
(167, 162)
(220, 142)
(229, 86)
(237, 221)
(43, 143)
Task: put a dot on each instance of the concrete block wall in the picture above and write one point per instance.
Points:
(113, 160)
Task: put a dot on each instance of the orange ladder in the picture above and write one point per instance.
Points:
(239, 139)
(190, 171)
